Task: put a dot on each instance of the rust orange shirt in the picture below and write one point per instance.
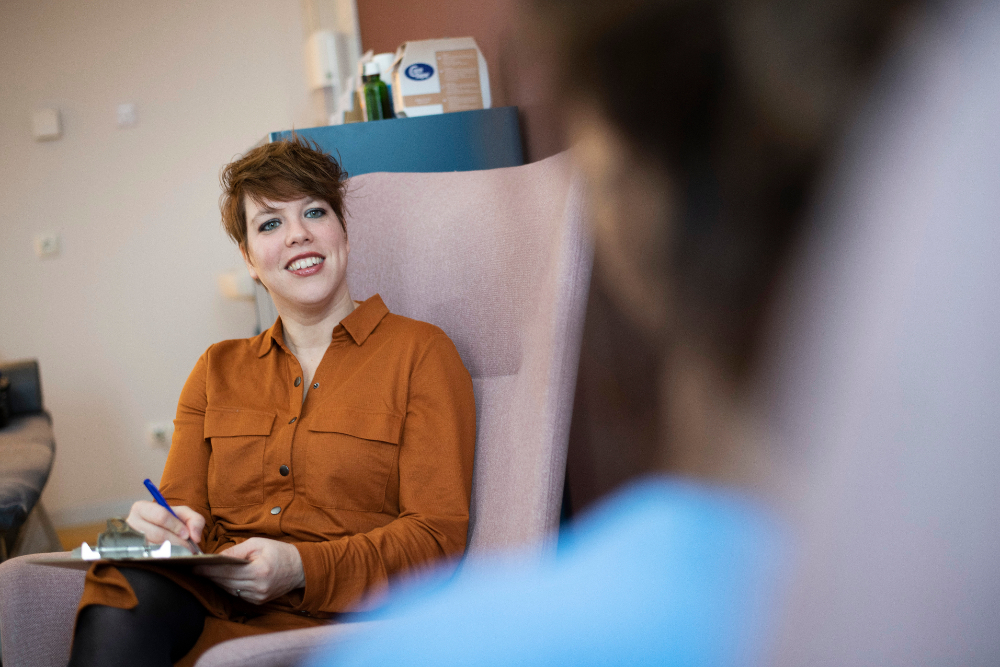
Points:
(369, 477)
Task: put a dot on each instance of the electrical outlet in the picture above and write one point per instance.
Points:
(47, 245)
(160, 434)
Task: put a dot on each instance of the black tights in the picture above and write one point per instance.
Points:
(160, 630)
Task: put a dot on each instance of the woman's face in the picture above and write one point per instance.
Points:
(298, 250)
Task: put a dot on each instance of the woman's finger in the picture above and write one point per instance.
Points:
(157, 523)
(194, 521)
(159, 516)
(250, 588)
(234, 582)
(248, 549)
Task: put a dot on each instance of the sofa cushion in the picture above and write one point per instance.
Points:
(27, 449)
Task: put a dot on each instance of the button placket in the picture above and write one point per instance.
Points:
(294, 379)
(282, 491)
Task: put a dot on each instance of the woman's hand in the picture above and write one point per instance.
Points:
(273, 569)
(159, 525)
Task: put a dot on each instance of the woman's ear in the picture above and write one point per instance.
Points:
(347, 239)
(250, 267)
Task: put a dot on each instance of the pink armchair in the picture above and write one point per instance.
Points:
(500, 261)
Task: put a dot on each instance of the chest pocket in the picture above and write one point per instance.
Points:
(350, 459)
(236, 466)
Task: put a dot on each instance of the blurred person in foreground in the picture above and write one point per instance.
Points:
(701, 128)
(892, 372)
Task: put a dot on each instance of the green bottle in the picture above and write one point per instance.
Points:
(375, 91)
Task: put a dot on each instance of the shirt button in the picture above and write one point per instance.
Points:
(292, 420)
(298, 381)
(275, 510)
(316, 385)
(283, 470)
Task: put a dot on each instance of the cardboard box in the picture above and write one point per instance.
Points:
(435, 76)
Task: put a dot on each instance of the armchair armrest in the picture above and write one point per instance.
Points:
(37, 607)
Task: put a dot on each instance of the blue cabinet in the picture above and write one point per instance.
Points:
(460, 141)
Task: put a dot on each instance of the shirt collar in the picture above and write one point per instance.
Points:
(274, 335)
(359, 325)
(362, 322)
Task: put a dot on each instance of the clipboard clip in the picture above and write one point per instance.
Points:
(121, 540)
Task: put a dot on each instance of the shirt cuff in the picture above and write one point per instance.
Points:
(318, 576)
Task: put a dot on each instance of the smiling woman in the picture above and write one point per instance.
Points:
(332, 452)
(298, 250)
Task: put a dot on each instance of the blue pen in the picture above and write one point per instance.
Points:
(163, 503)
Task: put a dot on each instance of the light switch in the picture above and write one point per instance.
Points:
(126, 115)
(46, 124)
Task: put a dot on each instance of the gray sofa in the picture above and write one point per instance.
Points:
(27, 449)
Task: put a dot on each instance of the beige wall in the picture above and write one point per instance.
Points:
(118, 319)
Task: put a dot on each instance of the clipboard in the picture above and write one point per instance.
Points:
(122, 544)
(74, 562)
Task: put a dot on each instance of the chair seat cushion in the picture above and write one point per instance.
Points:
(27, 449)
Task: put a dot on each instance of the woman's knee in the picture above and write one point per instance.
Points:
(160, 629)
(158, 595)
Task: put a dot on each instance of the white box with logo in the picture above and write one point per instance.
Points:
(434, 76)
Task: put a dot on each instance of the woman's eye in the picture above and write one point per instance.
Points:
(315, 213)
(269, 225)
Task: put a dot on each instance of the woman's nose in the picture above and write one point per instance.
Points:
(298, 232)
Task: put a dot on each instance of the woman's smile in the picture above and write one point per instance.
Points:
(305, 265)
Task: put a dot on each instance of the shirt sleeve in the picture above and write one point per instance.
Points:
(184, 480)
(435, 478)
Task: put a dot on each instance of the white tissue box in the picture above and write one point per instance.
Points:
(435, 76)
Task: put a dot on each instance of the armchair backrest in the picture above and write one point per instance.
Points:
(499, 260)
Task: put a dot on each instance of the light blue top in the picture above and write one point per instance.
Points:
(667, 572)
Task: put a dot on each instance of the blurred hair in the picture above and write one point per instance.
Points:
(279, 171)
(740, 102)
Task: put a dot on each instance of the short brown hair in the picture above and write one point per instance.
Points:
(695, 85)
(279, 171)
